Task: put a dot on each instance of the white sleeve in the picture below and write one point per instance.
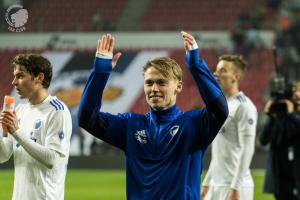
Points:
(6, 149)
(44, 155)
(59, 130)
(207, 179)
(246, 124)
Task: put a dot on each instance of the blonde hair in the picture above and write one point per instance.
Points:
(168, 67)
(237, 60)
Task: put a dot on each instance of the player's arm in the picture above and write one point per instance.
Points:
(6, 149)
(43, 154)
(208, 87)
(90, 102)
(246, 118)
(6, 144)
(105, 126)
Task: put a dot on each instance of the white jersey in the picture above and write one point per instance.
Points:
(48, 124)
(233, 147)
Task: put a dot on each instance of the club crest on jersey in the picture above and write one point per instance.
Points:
(250, 121)
(141, 136)
(174, 130)
(37, 124)
(61, 135)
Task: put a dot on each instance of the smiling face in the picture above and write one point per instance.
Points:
(160, 91)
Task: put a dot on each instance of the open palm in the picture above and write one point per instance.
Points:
(105, 48)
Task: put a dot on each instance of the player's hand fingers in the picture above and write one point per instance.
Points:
(187, 35)
(8, 117)
(189, 40)
(111, 45)
(103, 43)
(115, 59)
(108, 42)
(186, 47)
(1, 117)
(4, 118)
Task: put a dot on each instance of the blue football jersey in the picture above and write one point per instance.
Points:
(164, 149)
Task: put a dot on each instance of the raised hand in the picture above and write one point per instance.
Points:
(189, 41)
(105, 47)
(192, 57)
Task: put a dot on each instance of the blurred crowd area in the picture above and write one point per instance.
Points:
(243, 20)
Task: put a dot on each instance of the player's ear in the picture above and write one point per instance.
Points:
(40, 78)
(237, 76)
(178, 87)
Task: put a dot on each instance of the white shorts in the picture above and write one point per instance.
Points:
(220, 193)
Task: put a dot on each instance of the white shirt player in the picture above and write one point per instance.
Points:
(41, 150)
(233, 147)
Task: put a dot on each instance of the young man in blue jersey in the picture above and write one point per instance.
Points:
(164, 148)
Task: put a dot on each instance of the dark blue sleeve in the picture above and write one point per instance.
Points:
(216, 111)
(108, 127)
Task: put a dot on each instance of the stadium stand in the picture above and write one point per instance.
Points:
(55, 16)
(197, 15)
(72, 15)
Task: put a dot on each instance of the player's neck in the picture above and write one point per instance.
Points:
(39, 97)
(231, 91)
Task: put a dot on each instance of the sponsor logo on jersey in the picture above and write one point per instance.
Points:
(141, 136)
(174, 130)
(32, 137)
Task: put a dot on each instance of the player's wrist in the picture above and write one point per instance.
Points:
(193, 46)
(16, 134)
(234, 190)
(104, 55)
(102, 65)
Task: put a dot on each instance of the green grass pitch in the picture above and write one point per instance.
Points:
(103, 185)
